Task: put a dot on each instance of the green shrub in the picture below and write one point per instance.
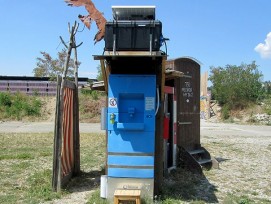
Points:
(236, 86)
(18, 106)
(5, 99)
(86, 91)
(267, 106)
(225, 112)
(33, 109)
(95, 95)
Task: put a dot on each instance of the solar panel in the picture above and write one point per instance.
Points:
(133, 12)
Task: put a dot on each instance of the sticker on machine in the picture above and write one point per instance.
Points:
(149, 103)
(112, 102)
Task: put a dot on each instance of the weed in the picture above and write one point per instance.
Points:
(95, 198)
(86, 91)
(230, 198)
(254, 193)
(8, 198)
(40, 187)
(198, 202)
(18, 167)
(45, 154)
(181, 183)
(26, 163)
(244, 200)
(170, 201)
(267, 106)
(95, 95)
(22, 156)
(19, 159)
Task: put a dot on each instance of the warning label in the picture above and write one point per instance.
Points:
(112, 102)
(149, 103)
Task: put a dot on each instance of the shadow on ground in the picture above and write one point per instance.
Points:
(86, 181)
(220, 159)
(184, 185)
(180, 185)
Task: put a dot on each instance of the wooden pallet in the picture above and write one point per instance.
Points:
(126, 195)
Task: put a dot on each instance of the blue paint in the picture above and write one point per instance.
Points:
(131, 160)
(131, 104)
(130, 126)
(131, 141)
(130, 173)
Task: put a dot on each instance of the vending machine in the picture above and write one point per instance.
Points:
(131, 133)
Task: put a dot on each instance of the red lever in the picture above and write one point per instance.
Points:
(166, 128)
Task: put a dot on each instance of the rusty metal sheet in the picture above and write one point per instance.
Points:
(94, 15)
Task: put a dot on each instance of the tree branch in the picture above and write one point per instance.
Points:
(63, 42)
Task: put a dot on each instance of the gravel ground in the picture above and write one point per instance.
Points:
(243, 152)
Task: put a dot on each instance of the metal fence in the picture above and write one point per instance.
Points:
(32, 85)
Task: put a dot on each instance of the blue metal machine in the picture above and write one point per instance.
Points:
(131, 126)
(133, 72)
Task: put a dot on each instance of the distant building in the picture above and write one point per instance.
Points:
(33, 85)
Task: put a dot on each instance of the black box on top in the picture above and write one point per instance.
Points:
(133, 35)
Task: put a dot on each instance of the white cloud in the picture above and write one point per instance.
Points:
(265, 48)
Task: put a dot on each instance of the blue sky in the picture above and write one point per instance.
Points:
(214, 32)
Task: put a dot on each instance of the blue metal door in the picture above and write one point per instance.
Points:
(131, 126)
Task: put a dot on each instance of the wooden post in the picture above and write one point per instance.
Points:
(56, 179)
(55, 153)
(163, 78)
(76, 134)
(76, 117)
(104, 75)
(159, 140)
(57, 171)
(159, 151)
(60, 112)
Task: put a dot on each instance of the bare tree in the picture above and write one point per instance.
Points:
(47, 66)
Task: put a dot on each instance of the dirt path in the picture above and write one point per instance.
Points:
(43, 127)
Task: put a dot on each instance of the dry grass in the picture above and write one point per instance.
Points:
(90, 107)
(26, 164)
(23, 159)
(243, 176)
